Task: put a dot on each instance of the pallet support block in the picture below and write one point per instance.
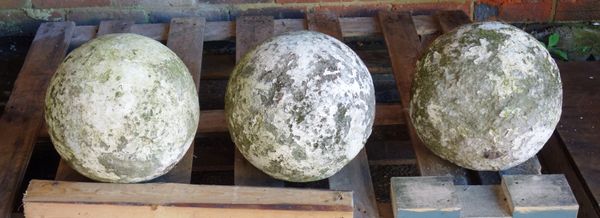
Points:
(531, 196)
(427, 196)
(482, 201)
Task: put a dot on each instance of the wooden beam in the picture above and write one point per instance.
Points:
(23, 114)
(186, 39)
(114, 26)
(251, 31)
(404, 47)
(356, 175)
(75, 199)
(224, 30)
(580, 122)
(448, 20)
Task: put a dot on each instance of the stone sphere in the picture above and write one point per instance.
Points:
(300, 106)
(486, 96)
(122, 108)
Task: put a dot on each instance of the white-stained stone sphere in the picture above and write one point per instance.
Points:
(122, 108)
(486, 96)
(300, 106)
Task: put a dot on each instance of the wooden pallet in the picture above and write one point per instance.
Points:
(405, 35)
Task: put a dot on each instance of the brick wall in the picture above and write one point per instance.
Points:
(21, 17)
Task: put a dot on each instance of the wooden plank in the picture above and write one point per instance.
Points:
(404, 47)
(114, 26)
(186, 39)
(531, 196)
(556, 160)
(424, 196)
(482, 201)
(251, 31)
(448, 20)
(74, 199)
(356, 175)
(23, 114)
(225, 30)
(580, 122)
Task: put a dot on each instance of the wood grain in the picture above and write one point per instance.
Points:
(404, 48)
(114, 26)
(225, 30)
(580, 121)
(251, 31)
(76, 199)
(186, 39)
(23, 115)
(355, 176)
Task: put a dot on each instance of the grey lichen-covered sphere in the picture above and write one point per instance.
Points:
(486, 96)
(122, 108)
(300, 106)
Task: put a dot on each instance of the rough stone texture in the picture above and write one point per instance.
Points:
(122, 108)
(300, 106)
(486, 96)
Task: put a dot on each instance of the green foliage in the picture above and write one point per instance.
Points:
(551, 46)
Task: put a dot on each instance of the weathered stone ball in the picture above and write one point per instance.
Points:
(300, 106)
(486, 96)
(122, 108)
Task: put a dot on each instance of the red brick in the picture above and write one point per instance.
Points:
(577, 10)
(69, 3)
(526, 11)
(428, 8)
(362, 10)
(154, 3)
(9, 4)
(522, 10)
(87, 16)
(276, 12)
(237, 1)
(309, 1)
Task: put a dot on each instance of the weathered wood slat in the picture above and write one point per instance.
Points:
(579, 127)
(356, 175)
(224, 30)
(23, 115)
(186, 39)
(114, 26)
(448, 20)
(76, 199)
(251, 31)
(404, 47)
(556, 160)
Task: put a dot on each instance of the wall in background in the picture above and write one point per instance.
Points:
(21, 17)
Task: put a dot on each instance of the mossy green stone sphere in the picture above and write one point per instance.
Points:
(122, 108)
(486, 96)
(300, 106)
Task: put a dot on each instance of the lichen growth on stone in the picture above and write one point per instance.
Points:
(486, 96)
(122, 108)
(300, 106)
